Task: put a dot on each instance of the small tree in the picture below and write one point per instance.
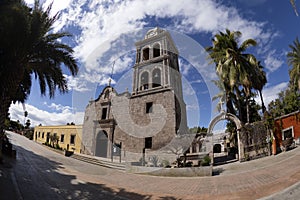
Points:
(27, 124)
(179, 146)
(54, 140)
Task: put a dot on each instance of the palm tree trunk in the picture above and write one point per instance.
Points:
(263, 107)
(247, 107)
(240, 110)
(229, 105)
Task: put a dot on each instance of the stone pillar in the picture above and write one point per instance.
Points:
(135, 81)
(111, 142)
(240, 146)
(109, 145)
(93, 148)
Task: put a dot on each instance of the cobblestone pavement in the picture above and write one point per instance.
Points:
(265, 178)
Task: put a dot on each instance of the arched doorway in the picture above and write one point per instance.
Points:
(227, 116)
(101, 144)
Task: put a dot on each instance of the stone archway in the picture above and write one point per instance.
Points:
(224, 116)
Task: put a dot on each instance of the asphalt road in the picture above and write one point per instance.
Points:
(41, 174)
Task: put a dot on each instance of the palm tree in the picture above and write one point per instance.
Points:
(27, 124)
(232, 64)
(221, 95)
(294, 6)
(25, 115)
(29, 48)
(294, 61)
(258, 81)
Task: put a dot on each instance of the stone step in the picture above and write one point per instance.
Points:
(103, 163)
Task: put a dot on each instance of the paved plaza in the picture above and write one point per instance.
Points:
(38, 173)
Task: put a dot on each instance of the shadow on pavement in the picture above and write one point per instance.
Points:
(222, 160)
(32, 176)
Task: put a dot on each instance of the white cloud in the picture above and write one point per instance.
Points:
(77, 83)
(58, 107)
(192, 107)
(184, 67)
(188, 90)
(57, 6)
(273, 61)
(86, 80)
(61, 116)
(29, 2)
(102, 22)
(101, 25)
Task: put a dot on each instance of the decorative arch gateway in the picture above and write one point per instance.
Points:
(224, 116)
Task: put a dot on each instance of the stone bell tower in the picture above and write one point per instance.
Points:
(157, 70)
(148, 119)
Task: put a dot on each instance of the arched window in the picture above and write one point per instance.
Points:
(156, 50)
(144, 81)
(156, 78)
(146, 53)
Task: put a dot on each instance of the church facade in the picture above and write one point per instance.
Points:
(149, 117)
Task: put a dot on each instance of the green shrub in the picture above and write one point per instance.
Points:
(58, 147)
(206, 161)
(29, 134)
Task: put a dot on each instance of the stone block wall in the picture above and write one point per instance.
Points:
(88, 133)
(160, 124)
(254, 140)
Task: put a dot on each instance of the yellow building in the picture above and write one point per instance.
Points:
(67, 137)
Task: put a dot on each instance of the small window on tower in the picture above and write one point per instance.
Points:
(149, 107)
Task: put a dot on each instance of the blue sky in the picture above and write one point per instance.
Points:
(104, 33)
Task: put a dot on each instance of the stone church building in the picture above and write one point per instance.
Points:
(148, 118)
